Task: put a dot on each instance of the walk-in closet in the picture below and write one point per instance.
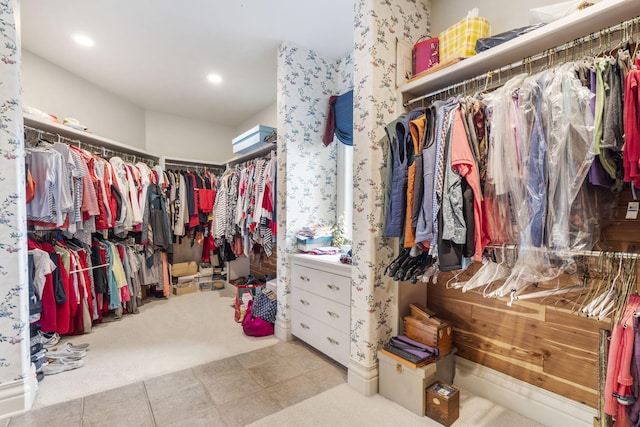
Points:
(404, 212)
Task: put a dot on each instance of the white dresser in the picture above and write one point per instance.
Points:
(321, 303)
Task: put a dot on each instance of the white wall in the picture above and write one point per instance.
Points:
(57, 91)
(502, 14)
(266, 117)
(171, 135)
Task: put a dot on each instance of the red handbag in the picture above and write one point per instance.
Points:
(255, 326)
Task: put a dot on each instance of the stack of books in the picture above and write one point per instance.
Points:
(410, 352)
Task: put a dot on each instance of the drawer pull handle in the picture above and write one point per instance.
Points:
(333, 287)
(333, 314)
(304, 302)
(304, 278)
(304, 326)
(332, 341)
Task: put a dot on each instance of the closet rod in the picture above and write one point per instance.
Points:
(626, 26)
(132, 158)
(252, 155)
(177, 165)
(629, 255)
(175, 161)
(88, 268)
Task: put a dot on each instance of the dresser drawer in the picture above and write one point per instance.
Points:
(329, 341)
(328, 285)
(330, 312)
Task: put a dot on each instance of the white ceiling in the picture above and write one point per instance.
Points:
(157, 53)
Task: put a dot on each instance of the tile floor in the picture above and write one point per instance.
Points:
(229, 392)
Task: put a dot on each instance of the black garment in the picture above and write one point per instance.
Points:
(35, 304)
(99, 274)
(191, 207)
(162, 236)
(467, 212)
(118, 196)
(58, 287)
(226, 254)
(449, 253)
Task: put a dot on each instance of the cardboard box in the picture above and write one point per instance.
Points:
(184, 269)
(181, 290)
(443, 403)
(252, 139)
(211, 285)
(404, 385)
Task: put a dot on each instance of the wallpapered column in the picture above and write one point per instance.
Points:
(14, 309)
(377, 25)
(306, 187)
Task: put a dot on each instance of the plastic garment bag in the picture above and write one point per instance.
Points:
(504, 187)
(541, 149)
(571, 152)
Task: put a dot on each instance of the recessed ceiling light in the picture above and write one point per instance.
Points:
(214, 78)
(83, 40)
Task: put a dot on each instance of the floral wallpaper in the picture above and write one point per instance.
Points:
(377, 25)
(306, 187)
(13, 245)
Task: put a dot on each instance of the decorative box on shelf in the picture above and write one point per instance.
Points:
(459, 40)
(252, 139)
(426, 54)
(310, 244)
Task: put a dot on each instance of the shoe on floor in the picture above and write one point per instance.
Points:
(66, 352)
(39, 355)
(36, 348)
(77, 347)
(61, 365)
(48, 340)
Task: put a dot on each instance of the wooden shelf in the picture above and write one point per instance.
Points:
(582, 23)
(89, 138)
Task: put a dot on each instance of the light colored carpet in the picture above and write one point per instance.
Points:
(167, 336)
(343, 406)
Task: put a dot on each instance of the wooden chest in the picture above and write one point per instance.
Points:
(443, 403)
(432, 332)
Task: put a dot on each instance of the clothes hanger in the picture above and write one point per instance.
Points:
(603, 303)
(485, 274)
(502, 270)
(628, 283)
(455, 277)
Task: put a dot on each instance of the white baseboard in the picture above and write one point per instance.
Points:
(540, 405)
(363, 379)
(16, 397)
(282, 330)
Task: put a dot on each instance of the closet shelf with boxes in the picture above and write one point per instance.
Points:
(593, 18)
